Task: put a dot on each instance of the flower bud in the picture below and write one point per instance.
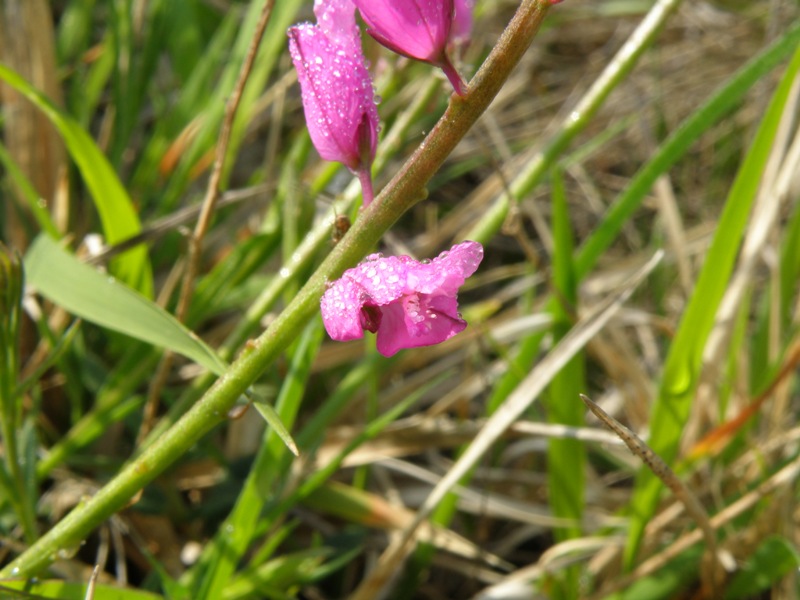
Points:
(418, 29)
(336, 87)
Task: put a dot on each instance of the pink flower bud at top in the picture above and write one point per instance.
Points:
(418, 29)
(408, 303)
(338, 96)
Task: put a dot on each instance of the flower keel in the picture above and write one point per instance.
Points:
(406, 302)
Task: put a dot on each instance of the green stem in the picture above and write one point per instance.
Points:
(11, 286)
(309, 247)
(404, 190)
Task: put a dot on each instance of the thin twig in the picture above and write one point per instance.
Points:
(665, 474)
(206, 212)
(212, 192)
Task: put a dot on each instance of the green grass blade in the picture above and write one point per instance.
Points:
(74, 29)
(566, 457)
(69, 591)
(85, 292)
(113, 402)
(114, 206)
(671, 581)
(580, 117)
(211, 110)
(26, 190)
(681, 370)
(227, 549)
(678, 143)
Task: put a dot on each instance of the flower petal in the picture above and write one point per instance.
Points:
(384, 280)
(461, 30)
(407, 302)
(341, 306)
(338, 97)
(337, 20)
(418, 29)
(448, 271)
(422, 322)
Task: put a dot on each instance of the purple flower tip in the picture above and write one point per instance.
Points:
(419, 29)
(337, 91)
(406, 302)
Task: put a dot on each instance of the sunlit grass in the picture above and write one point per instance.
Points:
(587, 164)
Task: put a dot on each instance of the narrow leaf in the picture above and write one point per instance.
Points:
(102, 300)
(114, 206)
(682, 367)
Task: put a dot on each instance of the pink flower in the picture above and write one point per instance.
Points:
(419, 29)
(338, 97)
(406, 302)
(461, 30)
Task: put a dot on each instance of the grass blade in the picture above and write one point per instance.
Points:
(566, 458)
(114, 206)
(85, 292)
(682, 367)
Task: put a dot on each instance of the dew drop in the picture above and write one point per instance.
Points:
(66, 553)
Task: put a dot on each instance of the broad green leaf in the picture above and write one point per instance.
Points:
(102, 300)
(114, 206)
(69, 591)
(274, 421)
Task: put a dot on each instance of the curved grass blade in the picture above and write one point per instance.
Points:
(102, 300)
(114, 206)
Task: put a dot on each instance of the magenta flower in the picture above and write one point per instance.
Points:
(419, 29)
(461, 30)
(406, 302)
(338, 97)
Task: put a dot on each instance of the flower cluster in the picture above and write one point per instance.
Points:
(408, 303)
(338, 95)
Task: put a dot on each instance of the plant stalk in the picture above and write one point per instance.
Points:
(399, 195)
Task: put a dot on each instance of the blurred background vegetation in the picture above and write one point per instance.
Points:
(111, 110)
